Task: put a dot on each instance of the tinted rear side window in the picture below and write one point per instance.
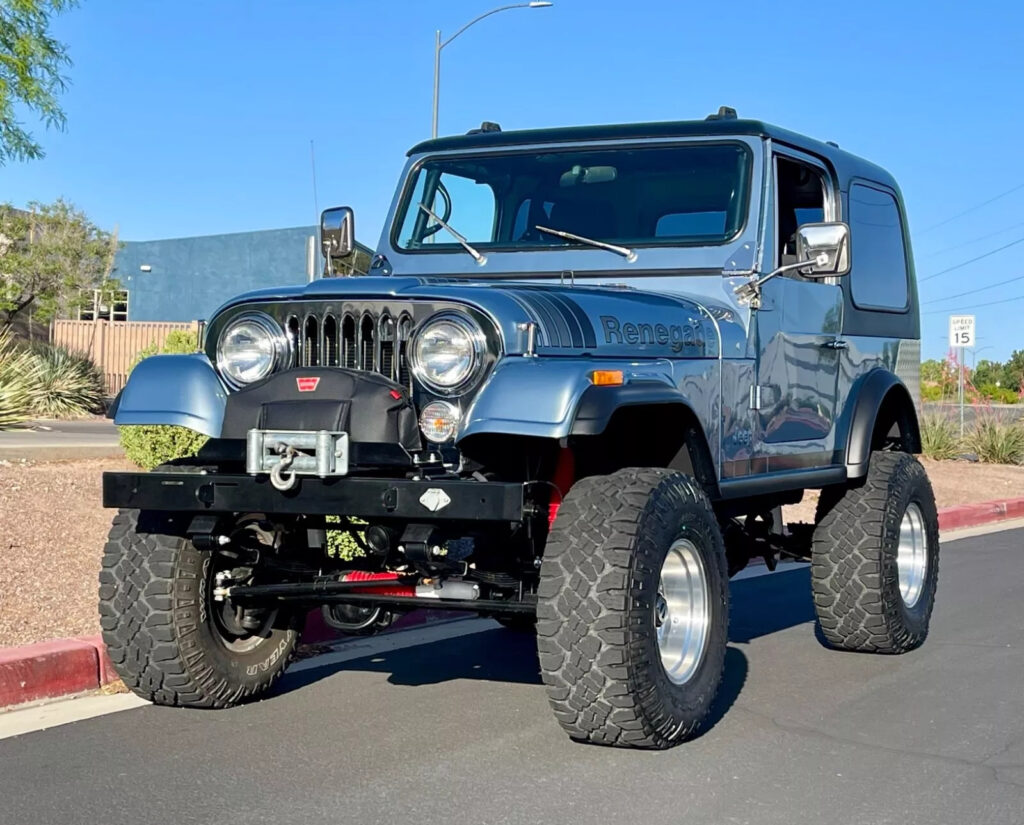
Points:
(878, 279)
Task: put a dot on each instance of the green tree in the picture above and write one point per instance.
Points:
(936, 372)
(1013, 371)
(51, 259)
(30, 73)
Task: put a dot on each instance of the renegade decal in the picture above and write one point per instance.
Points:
(674, 336)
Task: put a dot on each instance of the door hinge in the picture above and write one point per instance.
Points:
(755, 397)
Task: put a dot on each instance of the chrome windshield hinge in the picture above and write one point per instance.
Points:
(755, 397)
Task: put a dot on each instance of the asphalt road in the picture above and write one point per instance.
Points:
(458, 731)
(48, 440)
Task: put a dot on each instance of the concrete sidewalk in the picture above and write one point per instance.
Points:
(50, 440)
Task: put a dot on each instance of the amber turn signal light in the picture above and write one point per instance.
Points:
(606, 378)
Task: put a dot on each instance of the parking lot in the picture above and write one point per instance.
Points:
(450, 724)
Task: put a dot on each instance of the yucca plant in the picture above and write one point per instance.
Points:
(71, 385)
(940, 438)
(995, 441)
(19, 382)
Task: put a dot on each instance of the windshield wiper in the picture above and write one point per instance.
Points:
(480, 259)
(624, 251)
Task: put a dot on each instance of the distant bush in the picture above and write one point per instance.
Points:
(70, 384)
(995, 441)
(19, 382)
(940, 437)
(998, 395)
(931, 392)
(340, 542)
(151, 445)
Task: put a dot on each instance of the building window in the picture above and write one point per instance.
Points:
(110, 307)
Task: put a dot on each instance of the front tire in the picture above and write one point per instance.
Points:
(165, 635)
(633, 607)
(875, 560)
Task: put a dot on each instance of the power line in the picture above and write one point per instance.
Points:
(972, 260)
(977, 306)
(972, 291)
(961, 245)
(970, 209)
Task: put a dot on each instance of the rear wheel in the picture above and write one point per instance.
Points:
(632, 616)
(875, 559)
(168, 639)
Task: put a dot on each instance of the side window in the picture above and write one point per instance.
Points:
(467, 206)
(878, 278)
(800, 192)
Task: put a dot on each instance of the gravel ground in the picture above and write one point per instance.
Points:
(52, 531)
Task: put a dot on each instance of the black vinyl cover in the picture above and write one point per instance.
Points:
(368, 406)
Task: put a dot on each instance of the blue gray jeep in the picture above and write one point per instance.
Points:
(587, 370)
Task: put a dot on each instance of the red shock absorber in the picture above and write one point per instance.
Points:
(383, 590)
(565, 475)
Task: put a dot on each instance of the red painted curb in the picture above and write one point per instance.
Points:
(49, 669)
(971, 515)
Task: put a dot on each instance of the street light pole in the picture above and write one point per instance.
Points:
(438, 45)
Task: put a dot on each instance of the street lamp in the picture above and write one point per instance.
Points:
(438, 45)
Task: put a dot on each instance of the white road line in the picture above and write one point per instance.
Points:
(63, 711)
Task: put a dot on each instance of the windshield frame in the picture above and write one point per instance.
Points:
(740, 253)
(412, 176)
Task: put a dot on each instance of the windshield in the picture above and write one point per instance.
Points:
(689, 195)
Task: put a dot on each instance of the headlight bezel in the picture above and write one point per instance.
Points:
(281, 346)
(479, 352)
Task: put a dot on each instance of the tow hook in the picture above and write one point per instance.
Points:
(279, 475)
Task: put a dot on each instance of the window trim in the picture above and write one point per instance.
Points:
(408, 188)
(831, 207)
(879, 187)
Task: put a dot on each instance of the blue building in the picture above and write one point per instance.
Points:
(186, 279)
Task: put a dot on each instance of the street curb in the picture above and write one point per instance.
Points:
(971, 515)
(47, 670)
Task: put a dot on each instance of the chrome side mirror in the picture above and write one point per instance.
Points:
(337, 232)
(823, 249)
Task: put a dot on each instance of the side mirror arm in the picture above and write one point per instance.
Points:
(750, 292)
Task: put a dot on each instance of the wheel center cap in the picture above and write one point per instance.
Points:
(660, 611)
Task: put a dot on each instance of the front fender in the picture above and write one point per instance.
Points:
(541, 396)
(181, 390)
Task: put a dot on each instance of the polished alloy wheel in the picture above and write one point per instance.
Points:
(912, 555)
(681, 611)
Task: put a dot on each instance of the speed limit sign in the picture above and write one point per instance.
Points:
(961, 330)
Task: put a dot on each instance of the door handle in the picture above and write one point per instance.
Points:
(836, 344)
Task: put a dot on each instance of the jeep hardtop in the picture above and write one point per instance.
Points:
(588, 368)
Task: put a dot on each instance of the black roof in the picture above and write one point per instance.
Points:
(724, 127)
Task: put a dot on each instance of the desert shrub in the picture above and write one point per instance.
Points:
(940, 437)
(19, 382)
(995, 441)
(70, 384)
(151, 445)
(931, 392)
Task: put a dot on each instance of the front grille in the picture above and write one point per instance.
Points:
(369, 342)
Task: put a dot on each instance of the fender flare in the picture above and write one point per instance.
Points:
(599, 404)
(878, 388)
(177, 390)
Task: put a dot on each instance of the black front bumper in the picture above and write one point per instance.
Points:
(371, 498)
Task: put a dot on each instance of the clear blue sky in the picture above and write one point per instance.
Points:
(195, 118)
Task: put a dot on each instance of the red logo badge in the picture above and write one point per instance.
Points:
(307, 383)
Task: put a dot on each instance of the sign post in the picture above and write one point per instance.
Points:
(962, 336)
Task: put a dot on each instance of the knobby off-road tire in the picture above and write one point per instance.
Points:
(862, 599)
(600, 587)
(159, 626)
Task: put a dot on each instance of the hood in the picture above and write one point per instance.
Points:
(606, 321)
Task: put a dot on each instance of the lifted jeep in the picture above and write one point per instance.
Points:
(588, 368)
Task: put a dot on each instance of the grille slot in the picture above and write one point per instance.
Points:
(374, 343)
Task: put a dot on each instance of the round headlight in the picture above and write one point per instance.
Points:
(447, 352)
(250, 348)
